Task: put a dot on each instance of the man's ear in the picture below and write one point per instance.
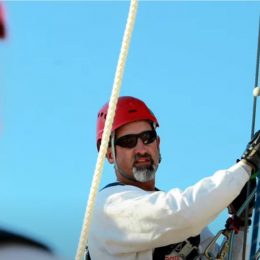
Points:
(109, 155)
(158, 142)
(158, 147)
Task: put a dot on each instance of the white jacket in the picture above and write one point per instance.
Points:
(129, 223)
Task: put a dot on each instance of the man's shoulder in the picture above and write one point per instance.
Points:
(119, 189)
(112, 184)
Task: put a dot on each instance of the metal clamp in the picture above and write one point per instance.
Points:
(224, 249)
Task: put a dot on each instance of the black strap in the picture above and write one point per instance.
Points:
(87, 255)
(160, 253)
(119, 183)
(113, 184)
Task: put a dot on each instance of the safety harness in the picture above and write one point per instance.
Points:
(187, 250)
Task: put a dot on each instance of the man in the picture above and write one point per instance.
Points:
(132, 219)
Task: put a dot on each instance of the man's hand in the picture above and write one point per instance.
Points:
(251, 155)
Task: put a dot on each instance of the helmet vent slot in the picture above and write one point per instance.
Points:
(132, 111)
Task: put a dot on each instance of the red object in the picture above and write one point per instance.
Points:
(129, 109)
(235, 223)
(2, 23)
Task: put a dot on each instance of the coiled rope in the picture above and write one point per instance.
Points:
(107, 129)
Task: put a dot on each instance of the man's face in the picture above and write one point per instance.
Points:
(142, 160)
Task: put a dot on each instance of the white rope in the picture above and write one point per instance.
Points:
(107, 129)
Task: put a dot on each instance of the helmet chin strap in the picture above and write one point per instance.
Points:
(117, 168)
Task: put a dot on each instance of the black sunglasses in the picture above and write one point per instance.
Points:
(130, 141)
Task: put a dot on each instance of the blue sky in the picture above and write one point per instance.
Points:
(192, 62)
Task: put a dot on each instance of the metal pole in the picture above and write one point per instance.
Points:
(257, 203)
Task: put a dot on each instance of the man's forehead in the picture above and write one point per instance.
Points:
(134, 128)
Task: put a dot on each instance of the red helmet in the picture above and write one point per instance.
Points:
(129, 109)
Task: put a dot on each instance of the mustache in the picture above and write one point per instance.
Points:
(143, 156)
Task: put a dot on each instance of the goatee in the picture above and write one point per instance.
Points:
(144, 173)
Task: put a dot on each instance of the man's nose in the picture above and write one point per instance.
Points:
(140, 146)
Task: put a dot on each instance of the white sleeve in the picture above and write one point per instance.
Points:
(129, 219)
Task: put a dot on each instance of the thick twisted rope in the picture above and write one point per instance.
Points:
(107, 129)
